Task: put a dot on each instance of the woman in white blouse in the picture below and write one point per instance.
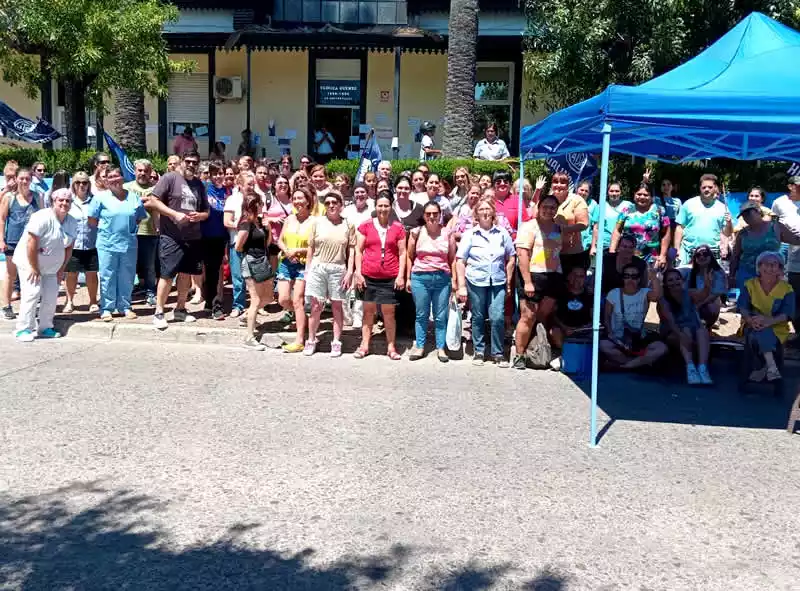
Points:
(491, 147)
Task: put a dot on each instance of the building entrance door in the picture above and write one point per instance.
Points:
(337, 108)
(336, 123)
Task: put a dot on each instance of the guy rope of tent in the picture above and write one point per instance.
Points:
(737, 99)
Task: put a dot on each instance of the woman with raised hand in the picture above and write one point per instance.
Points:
(251, 243)
(43, 251)
(380, 272)
(16, 208)
(293, 243)
(485, 269)
(628, 345)
(84, 252)
(116, 213)
(649, 224)
(681, 326)
(766, 304)
(329, 270)
(431, 252)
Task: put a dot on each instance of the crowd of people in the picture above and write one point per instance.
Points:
(400, 248)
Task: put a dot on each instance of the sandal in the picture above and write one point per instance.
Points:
(393, 355)
(360, 353)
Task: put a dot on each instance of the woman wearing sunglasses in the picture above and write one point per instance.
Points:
(703, 260)
(117, 214)
(628, 345)
(431, 252)
(84, 251)
(329, 270)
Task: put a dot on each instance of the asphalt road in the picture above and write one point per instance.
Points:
(163, 467)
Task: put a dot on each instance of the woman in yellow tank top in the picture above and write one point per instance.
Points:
(293, 244)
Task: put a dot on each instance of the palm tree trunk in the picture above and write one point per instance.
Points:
(129, 124)
(75, 113)
(461, 63)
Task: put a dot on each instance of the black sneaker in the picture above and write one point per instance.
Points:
(519, 362)
(217, 313)
(8, 313)
(477, 359)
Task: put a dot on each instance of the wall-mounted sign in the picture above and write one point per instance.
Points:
(338, 93)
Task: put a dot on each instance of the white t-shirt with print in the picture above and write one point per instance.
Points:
(636, 307)
(234, 204)
(54, 239)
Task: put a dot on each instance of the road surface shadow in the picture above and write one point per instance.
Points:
(48, 544)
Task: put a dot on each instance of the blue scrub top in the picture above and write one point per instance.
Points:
(117, 221)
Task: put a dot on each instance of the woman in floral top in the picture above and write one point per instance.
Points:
(649, 224)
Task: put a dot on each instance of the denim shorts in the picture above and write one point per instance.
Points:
(289, 271)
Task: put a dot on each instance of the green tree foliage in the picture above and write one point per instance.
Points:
(576, 48)
(91, 46)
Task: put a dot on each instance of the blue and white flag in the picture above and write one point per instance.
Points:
(578, 165)
(125, 164)
(15, 125)
(793, 170)
(370, 157)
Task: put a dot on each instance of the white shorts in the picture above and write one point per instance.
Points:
(324, 282)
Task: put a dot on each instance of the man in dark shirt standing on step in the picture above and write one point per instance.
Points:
(180, 199)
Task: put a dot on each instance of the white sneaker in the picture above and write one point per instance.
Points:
(25, 336)
(159, 321)
(705, 377)
(692, 376)
(555, 364)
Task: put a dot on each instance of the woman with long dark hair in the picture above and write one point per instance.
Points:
(702, 259)
(649, 224)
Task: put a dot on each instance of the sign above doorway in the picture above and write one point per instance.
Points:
(338, 93)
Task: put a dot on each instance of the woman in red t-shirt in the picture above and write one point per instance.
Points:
(380, 272)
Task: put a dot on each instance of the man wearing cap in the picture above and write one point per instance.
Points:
(787, 211)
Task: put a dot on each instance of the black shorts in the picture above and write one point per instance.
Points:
(545, 285)
(83, 261)
(578, 259)
(379, 291)
(273, 250)
(184, 256)
(9, 251)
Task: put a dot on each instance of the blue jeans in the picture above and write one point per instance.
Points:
(117, 271)
(431, 289)
(489, 299)
(146, 263)
(239, 293)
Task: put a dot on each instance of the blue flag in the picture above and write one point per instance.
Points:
(125, 164)
(370, 157)
(14, 124)
(578, 165)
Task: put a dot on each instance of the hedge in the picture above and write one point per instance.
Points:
(736, 175)
(69, 160)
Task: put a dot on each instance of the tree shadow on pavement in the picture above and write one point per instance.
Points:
(665, 397)
(85, 537)
(46, 545)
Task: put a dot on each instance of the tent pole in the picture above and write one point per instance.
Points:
(598, 282)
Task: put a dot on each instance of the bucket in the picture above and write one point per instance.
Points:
(576, 359)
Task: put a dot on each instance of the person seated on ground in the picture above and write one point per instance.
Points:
(766, 304)
(759, 234)
(573, 312)
(627, 344)
(681, 327)
(703, 258)
(615, 262)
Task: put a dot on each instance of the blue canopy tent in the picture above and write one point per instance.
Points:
(739, 99)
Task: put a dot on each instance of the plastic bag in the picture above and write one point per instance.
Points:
(453, 336)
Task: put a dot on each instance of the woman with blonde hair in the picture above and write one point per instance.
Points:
(84, 251)
(462, 183)
(293, 244)
(299, 180)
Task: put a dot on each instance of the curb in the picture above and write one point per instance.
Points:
(203, 335)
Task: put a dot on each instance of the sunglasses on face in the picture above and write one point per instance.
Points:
(702, 255)
(331, 203)
(431, 214)
(630, 276)
(84, 183)
(40, 170)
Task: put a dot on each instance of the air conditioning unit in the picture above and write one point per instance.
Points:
(227, 87)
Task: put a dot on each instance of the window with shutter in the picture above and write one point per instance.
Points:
(188, 104)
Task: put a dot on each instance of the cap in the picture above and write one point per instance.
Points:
(750, 206)
(794, 180)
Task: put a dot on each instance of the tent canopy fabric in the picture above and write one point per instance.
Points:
(740, 99)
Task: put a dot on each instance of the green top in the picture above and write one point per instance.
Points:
(146, 226)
